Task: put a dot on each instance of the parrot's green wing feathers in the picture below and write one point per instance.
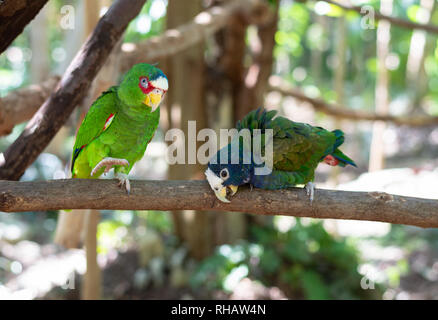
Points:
(299, 145)
(256, 119)
(97, 120)
(295, 144)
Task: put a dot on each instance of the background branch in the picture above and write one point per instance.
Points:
(71, 90)
(279, 85)
(197, 195)
(393, 20)
(21, 105)
(205, 24)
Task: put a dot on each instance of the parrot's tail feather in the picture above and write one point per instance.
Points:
(343, 159)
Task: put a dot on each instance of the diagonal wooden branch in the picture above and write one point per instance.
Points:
(70, 91)
(279, 85)
(197, 195)
(393, 20)
(14, 16)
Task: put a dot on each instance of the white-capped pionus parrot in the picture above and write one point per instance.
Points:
(119, 125)
(297, 148)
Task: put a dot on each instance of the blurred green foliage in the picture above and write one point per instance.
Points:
(305, 52)
(305, 262)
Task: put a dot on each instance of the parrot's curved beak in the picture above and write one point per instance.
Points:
(233, 189)
(153, 100)
(220, 190)
(221, 194)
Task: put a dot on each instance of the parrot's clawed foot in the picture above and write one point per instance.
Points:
(108, 163)
(310, 190)
(124, 182)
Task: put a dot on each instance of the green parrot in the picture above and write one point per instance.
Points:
(297, 149)
(119, 125)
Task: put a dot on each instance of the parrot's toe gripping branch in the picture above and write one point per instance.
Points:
(108, 163)
(124, 182)
(310, 190)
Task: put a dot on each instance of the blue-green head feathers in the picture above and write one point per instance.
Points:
(232, 166)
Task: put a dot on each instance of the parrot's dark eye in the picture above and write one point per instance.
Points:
(144, 83)
(224, 173)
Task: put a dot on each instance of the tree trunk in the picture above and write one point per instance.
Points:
(416, 79)
(39, 44)
(256, 78)
(224, 82)
(377, 152)
(91, 283)
(339, 82)
(316, 56)
(185, 101)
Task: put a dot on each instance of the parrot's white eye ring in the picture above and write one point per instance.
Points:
(144, 83)
(224, 174)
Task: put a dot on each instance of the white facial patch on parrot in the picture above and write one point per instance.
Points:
(214, 181)
(160, 83)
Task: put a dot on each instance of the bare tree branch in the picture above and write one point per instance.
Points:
(14, 16)
(197, 195)
(70, 91)
(393, 20)
(279, 85)
(203, 25)
(20, 105)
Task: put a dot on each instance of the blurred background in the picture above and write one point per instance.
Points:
(264, 54)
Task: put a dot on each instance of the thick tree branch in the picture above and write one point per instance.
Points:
(279, 85)
(14, 16)
(393, 20)
(70, 91)
(197, 195)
